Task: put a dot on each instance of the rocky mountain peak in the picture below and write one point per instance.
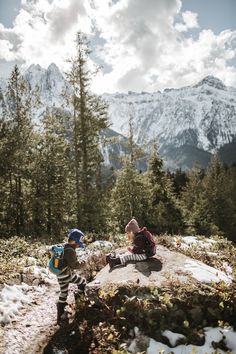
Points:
(212, 81)
(34, 67)
(53, 70)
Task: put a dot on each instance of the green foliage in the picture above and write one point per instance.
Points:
(88, 119)
(164, 213)
(182, 308)
(208, 200)
(14, 253)
(147, 196)
(51, 178)
(179, 179)
(128, 197)
(106, 317)
(50, 202)
(219, 204)
(16, 153)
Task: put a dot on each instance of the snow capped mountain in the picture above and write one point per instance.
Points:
(115, 149)
(211, 81)
(50, 82)
(189, 123)
(203, 115)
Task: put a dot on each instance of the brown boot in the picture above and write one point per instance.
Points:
(81, 287)
(80, 291)
(60, 311)
(113, 261)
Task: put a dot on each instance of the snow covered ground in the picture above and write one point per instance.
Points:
(212, 335)
(199, 270)
(186, 242)
(206, 274)
(13, 298)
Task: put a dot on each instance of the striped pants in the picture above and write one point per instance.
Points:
(64, 280)
(128, 256)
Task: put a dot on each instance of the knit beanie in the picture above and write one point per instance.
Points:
(132, 226)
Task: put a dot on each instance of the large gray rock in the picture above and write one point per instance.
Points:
(154, 271)
(164, 266)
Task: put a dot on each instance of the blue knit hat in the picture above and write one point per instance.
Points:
(76, 235)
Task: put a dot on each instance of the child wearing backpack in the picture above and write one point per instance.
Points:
(143, 245)
(67, 275)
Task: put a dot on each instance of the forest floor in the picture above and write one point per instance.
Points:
(35, 324)
(32, 328)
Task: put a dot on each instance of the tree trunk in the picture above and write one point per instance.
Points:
(17, 207)
(77, 187)
(49, 209)
(21, 206)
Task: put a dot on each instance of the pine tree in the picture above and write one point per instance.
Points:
(230, 183)
(128, 198)
(17, 122)
(217, 192)
(179, 179)
(129, 195)
(164, 213)
(134, 152)
(6, 152)
(193, 202)
(89, 118)
(207, 200)
(50, 196)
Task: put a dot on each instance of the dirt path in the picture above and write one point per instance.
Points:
(32, 329)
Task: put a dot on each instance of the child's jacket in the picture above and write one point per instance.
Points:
(70, 258)
(139, 242)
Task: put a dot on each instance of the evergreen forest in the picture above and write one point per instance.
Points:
(52, 172)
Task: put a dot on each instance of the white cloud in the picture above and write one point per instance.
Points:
(63, 16)
(6, 50)
(140, 42)
(46, 30)
(147, 51)
(190, 21)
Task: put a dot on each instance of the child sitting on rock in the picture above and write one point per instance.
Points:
(143, 245)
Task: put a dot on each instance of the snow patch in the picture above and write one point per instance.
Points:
(40, 275)
(172, 337)
(186, 242)
(101, 244)
(226, 335)
(205, 273)
(12, 300)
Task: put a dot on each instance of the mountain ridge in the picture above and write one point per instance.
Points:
(201, 116)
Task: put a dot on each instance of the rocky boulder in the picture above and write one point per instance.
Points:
(165, 265)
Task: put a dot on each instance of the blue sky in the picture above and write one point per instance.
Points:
(217, 15)
(142, 45)
(8, 11)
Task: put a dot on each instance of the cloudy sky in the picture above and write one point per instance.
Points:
(142, 45)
